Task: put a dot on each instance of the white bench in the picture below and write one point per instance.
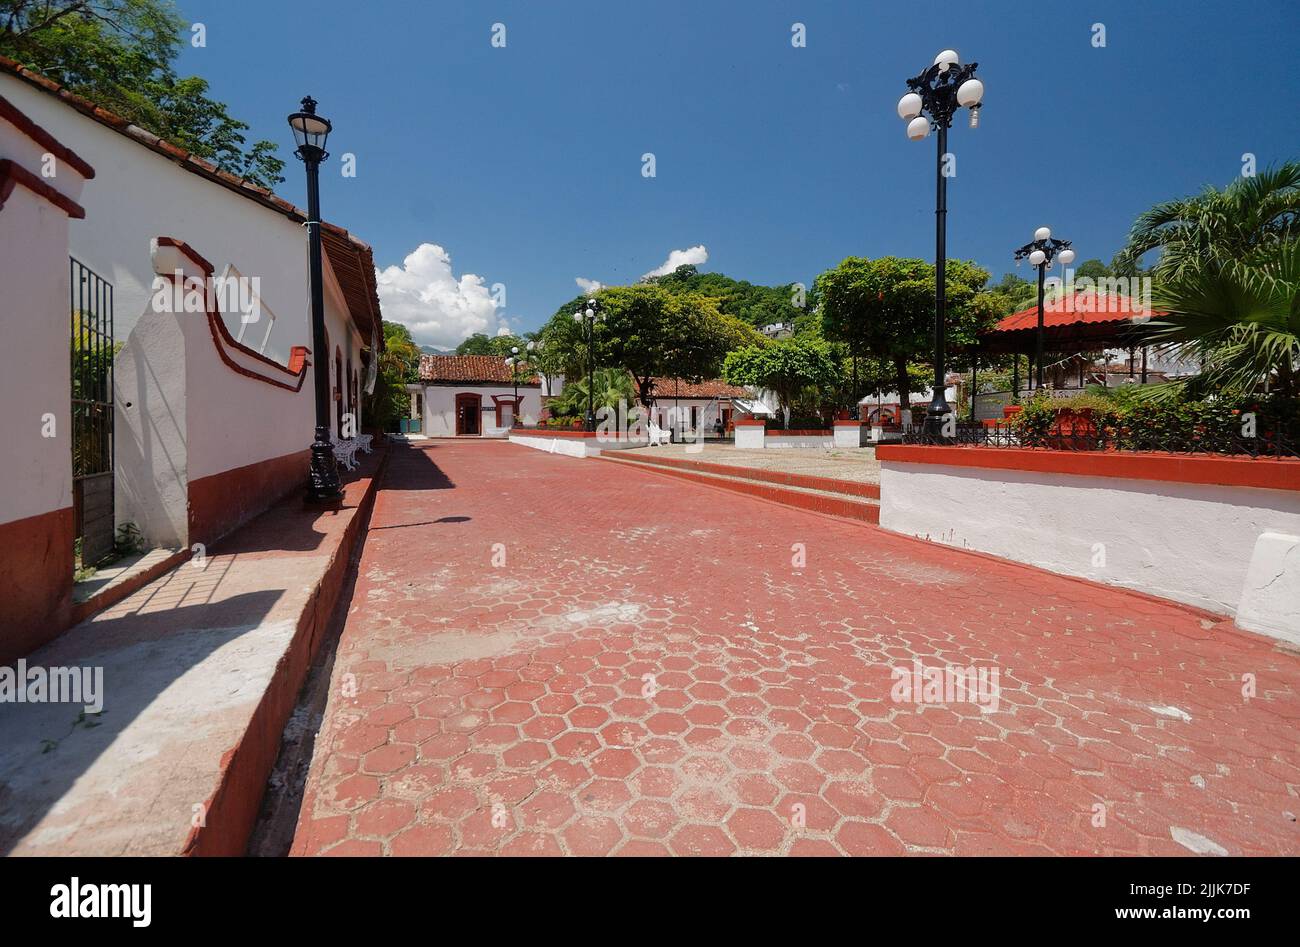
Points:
(658, 435)
(363, 442)
(345, 452)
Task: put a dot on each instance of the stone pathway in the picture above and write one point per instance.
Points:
(547, 655)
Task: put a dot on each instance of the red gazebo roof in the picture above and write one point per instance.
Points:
(1076, 322)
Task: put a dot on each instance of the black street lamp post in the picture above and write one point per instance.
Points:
(935, 96)
(515, 361)
(1040, 252)
(310, 132)
(586, 319)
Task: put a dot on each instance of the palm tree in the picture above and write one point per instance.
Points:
(1240, 319)
(1217, 227)
(609, 387)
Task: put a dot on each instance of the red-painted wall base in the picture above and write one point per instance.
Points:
(225, 501)
(36, 581)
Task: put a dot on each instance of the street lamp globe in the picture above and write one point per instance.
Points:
(310, 130)
(1043, 233)
(946, 59)
(1067, 257)
(577, 317)
(970, 92)
(1037, 257)
(918, 128)
(909, 106)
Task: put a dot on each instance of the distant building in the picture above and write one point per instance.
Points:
(472, 396)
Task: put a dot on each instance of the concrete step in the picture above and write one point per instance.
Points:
(832, 502)
(855, 488)
(200, 668)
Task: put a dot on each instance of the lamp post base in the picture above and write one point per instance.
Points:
(323, 485)
(940, 423)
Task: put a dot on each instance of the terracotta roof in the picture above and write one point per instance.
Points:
(710, 388)
(1079, 309)
(468, 370)
(350, 256)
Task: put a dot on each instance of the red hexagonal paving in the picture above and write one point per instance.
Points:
(546, 656)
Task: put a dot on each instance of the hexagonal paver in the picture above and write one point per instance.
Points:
(647, 683)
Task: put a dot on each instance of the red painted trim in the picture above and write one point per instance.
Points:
(851, 424)
(560, 432)
(221, 502)
(800, 433)
(233, 807)
(36, 575)
(502, 400)
(11, 174)
(1263, 473)
(749, 422)
(222, 339)
(10, 113)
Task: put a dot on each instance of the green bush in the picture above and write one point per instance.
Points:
(1128, 422)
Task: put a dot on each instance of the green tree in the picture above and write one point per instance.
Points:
(648, 332)
(120, 55)
(1218, 227)
(787, 368)
(756, 305)
(399, 365)
(1239, 319)
(609, 387)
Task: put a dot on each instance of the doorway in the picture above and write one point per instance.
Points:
(469, 411)
(92, 352)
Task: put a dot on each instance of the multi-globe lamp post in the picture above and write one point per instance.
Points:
(310, 132)
(586, 319)
(933, 99)
(1040, 252)
(516, 361)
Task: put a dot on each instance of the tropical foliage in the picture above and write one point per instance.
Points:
(788, 368)
(1229, 277)
(120, 54)
(609, 387)
(399, 365)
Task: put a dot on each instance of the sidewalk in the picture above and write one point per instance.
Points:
(201, 668)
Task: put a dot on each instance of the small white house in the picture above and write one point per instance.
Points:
(472, 396)
(710, 405)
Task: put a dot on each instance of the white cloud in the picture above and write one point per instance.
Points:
(694, 255)
(589, 286)
(434, 304)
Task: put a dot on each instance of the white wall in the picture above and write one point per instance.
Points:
(140, 195)
(34, 325)
(1189, 542)
(440, 408)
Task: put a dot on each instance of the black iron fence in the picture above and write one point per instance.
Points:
(1076, 436)
(92, 351)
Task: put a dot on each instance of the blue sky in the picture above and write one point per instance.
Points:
(523, 163)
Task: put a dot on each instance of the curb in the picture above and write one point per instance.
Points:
(236, 802)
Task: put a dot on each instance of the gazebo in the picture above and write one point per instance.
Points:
(1076, 328)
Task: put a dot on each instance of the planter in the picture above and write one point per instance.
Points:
(1075, 429)
(1011, 410)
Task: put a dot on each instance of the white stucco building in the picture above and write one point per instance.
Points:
(472, 396)
(210, 411)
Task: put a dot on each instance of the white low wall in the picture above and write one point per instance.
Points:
(573, 446)
(852, 435)
(1191, 542)
(771, 441)
(750, 436)
(569, 446)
